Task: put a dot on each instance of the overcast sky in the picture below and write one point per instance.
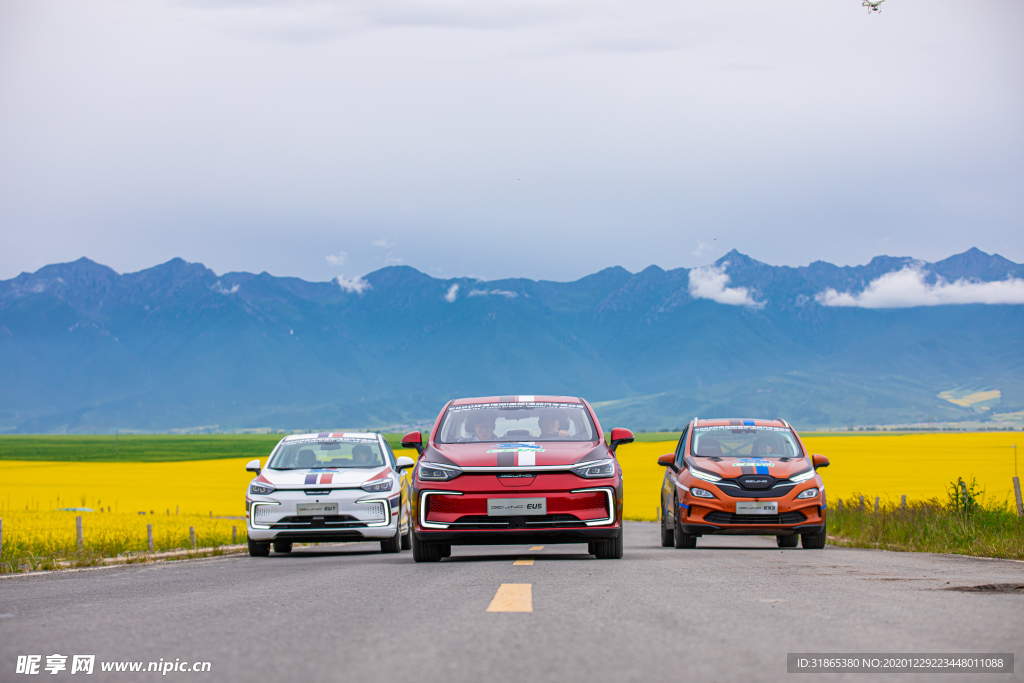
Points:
(495, 138)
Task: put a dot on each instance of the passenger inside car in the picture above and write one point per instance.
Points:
(550, 425)
(763, 446)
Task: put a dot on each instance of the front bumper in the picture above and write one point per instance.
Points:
(700, 516)
(360, 516)
(577, 510)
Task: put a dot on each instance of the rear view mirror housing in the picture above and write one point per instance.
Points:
(619, 437)
(404, 462)
(668, 460)
(253, 466)
(819, 461)
(413, 440)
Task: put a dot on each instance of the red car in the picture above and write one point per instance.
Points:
(516, 470)
(742, 477)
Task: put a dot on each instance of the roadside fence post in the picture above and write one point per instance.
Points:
(876, 505)
(234, 534)
(175, 510)
(1016, 492)
(2, 537)
(862, 503)
(903, 501)
(78, 529)
(149, 536)
(211, 514)
(839, 505)
(192, 536)
(657, 514)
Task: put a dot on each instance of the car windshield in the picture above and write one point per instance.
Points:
(312, 453)
(486, 422)
(734, 442)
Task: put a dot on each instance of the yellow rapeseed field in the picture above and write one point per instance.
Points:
(919, 466)
(177, 495)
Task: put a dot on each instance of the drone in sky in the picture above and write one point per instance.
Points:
(873, 5)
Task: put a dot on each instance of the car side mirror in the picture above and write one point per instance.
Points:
(253, 466)
(404, 462)
(619, 437)
(413, 440)
(668, 460)
(819, 461)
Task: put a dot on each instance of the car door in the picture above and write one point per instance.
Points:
(668, 488)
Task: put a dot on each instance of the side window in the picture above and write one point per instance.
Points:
(391, 455)
(681, 447)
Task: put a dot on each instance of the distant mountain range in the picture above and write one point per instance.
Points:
(85, 349)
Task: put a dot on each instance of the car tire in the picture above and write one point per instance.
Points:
(407, 537)
(393, 544)
(813, 541)
(591, 547)
(609, 549)
(680, 539)
(446, 550)
(667, 535)
(789, 541)
(282, 547)
(258, 549)
(425, 552)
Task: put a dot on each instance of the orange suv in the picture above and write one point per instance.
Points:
(742, 477)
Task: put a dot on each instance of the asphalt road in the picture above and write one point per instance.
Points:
(728, 611)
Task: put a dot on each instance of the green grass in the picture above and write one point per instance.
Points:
(961, 526)
(156, 448)
(143, 448)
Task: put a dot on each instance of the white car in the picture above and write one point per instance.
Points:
(328, 487)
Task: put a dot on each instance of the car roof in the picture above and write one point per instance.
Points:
(739, 422)
(332, 435)
(521, 398)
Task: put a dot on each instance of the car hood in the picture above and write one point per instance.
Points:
(730, 468)
(321, 477)
(517, 453)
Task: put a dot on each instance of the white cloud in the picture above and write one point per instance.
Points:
(453, 292)
(906, 288)
(220, 289)
(337, 259)
(356, 284)
(711, 282)
(494, 292)
(384, 244)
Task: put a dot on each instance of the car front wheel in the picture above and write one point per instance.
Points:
(679, 538)
(426, 552)
(393, 544)
(258, 549)
(667, 536)
(789, 541)
(609, 549)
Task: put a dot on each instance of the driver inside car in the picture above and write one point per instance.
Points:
(480, 428)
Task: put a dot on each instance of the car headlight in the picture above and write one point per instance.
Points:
(802, 476)
(706, 476)
(701, 493)
(378, 485)
(597, 469)
(809, 493)
(434, 472)
(261, 489)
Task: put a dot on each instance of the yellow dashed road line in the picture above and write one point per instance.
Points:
(523, 562)
(513, 597)
(537, 547)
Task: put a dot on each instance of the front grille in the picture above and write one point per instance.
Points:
(325, 522)
(524, 522)
(728, 518)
